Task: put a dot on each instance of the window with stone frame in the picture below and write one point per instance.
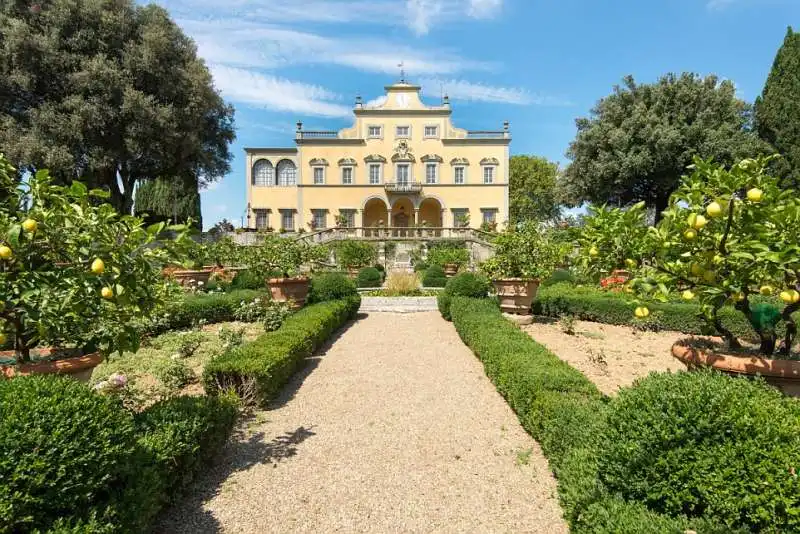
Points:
(287, 220)
(319, 218)
(262, 218)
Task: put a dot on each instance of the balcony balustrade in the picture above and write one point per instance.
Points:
(403, 187)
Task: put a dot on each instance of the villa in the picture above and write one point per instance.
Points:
(402, 164)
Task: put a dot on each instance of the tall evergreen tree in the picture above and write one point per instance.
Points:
(169, 199)
(778, 109)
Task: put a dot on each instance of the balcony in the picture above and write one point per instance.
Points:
(487, 134)
(403, 187)
(311, 134)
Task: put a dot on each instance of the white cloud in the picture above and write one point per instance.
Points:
(465, 90)
(376, 102)
(241, 85)
(484, 9)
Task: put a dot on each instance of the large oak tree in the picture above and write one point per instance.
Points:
(639, 140)
(109, 92)
(532, 189)
(778, 109)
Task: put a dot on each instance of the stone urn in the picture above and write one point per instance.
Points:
(289, 289)
(450, 269)
(516, 294)
(783, 374)
(78, 367)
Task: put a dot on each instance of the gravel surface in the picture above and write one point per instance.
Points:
(398, 304)
(610, 356)
(392, 428)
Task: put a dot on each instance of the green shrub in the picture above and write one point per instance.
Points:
(201, 308)
(276, 313)
(441, 256)
(369, 277)
(706, 445)
(257, 370)
(420, 266)
(332, 286)
(66, 452)
(434, 277)
(248, 279)
(461, 285)
(174, 374)
(352, 254)
(559, 275)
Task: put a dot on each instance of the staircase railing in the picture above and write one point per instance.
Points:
(397, 233)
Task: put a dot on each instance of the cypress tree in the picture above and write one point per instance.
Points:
(777, 110)
(169, 199)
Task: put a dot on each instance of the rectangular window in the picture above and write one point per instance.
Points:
(430, 173)
(489, 215)
(458, 175)
(402, 173)
(460, 217)
(319, 176)
(403, 131)
(319, 219)
(287, 220)
(349, 218)
(431, 131)
(488, 175)
(374, 173)
(347, 175)
(374, 132)
(262, 220)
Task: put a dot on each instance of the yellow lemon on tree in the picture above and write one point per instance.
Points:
(765, 290)
(717, 259)
(709, 276)
(641, 312)
(689, 235)
(687, 295)
(6, 252)
(30, 225)
(631, 263)
(98, 266)
(2, 338)
(700, 222)
(795, 295)
(738, 296)
(786, 296)
(697, 269)
(755, 194)
(593, 251)
(107, 293)
(714, 210)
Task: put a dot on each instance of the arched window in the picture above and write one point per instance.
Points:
(263, 173)
(287, 173)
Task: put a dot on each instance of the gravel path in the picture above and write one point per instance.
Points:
(393, 428)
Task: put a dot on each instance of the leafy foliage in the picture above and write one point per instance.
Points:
(75, 272)
(331, 286)
(612, 238)
(703, 444)
(353, 254)
(121, 68)
(523, 252)
(434, 277)
(639, 140)
(532, 189)
(280, 255)
(369, 277)
(248, 279)
(777, 110)
(174, 200)
(441, 256)
(461, 285)
(173, 374)
(729, 234)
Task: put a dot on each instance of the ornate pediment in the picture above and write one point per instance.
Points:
(432, 158)
(317, 162)
(403, 152)
(490, 161)
(375, 158)
(459, 161)
(347, 162)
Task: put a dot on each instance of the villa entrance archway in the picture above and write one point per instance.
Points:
(402, 215)
(376, 213)
(430, 213)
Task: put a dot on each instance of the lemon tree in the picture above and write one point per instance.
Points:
(730, 236)
(74, 273)
(612, 238)
(280, 256)
(525, 251)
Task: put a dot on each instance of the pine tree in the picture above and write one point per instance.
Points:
(778, 109)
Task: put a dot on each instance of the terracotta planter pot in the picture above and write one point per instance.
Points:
(516, 294)
(188, 277)
(783, 374)
(285, 289)
(450, 269)
(80, 367)
(353, 273)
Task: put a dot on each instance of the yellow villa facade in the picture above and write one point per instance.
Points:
(402, 164)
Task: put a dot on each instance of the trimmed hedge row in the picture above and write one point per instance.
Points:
(590, 304)
(77, 461)
(565, 413)
(209, 307)
(257, 370)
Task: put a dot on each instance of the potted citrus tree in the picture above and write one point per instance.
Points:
(450, 259)
(522, 257)
(75, 276)
(280, 259)
(730, 238)
(195, 268)
(353, 255)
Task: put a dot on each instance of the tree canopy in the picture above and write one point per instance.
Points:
(778, 109)
(639, 140)
(109, 92)
(169, 199)
(532, 189)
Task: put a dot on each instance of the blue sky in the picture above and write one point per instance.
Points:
(538, 63)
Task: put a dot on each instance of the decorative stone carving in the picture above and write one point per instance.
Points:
(459, 161)
(432, 158)
(490, 161)
(403, 152)
(347, 162)
(316, 162)
(375, 158)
